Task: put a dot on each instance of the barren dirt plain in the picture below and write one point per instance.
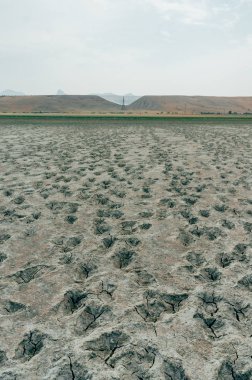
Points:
(125, 249)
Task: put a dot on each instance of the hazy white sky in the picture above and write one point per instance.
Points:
(192, 47)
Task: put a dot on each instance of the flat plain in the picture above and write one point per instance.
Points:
(125, 249)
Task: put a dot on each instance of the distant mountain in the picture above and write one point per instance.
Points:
(77, 104)
(60, 92)
(128, 98)
(11, 93)
(192, 104)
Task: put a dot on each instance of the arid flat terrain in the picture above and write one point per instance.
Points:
(125, 249)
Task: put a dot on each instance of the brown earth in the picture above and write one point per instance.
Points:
(85, 104)
(192, 104)
(56, 104)
(125, 250)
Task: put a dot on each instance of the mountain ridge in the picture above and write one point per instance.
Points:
(8, 92)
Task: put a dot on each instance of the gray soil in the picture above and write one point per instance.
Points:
(125, 251)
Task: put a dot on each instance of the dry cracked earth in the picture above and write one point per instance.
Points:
(125, 251)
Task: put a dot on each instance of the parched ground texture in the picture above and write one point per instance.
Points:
(125, 251)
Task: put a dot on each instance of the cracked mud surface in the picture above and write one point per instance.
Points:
(125, 251)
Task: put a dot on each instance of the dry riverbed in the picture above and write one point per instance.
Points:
(125, 251)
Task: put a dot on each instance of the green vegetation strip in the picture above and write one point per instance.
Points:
(191, 118)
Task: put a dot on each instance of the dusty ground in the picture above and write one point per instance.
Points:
(125, 251)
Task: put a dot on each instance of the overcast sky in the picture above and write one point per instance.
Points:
(191, 47)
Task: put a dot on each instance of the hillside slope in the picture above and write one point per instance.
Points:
(128, 98)
(193, 104)
(56, 104)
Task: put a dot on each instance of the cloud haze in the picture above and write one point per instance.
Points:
(194, 47)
